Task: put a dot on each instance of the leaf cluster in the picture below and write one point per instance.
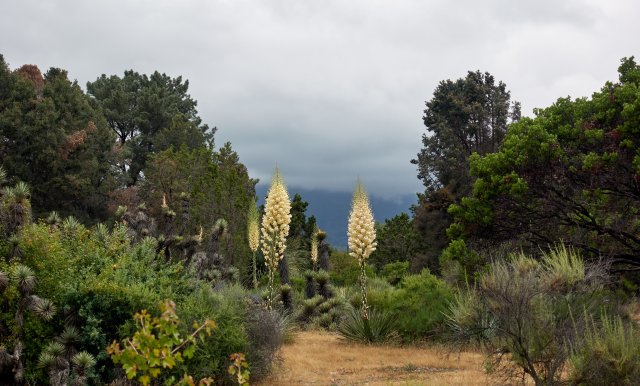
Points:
(157, 344)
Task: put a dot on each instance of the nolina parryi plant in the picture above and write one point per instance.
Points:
(362, 237)
(314, 248)
(253, 233)
(275, 228)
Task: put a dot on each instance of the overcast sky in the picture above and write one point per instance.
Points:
(328, 90)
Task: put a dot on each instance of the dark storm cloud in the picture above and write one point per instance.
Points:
(328, 90)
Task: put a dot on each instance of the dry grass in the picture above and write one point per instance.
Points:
(321, 358)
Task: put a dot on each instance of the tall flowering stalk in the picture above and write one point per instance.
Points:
(253, 234)
(362, 238)
(314, 248)
(275, 228)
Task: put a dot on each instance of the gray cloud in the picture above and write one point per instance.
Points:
(328, 90)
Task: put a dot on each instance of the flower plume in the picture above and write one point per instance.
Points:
(275, 228)
(253, 228)
(361, 229)
(276, 219)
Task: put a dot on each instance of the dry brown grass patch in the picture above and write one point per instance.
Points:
(321, 358)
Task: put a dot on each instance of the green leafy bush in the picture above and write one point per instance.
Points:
(157, 346)
(227, 307)
(394, 272)
(345, 270)
(418, 303)
(99, 278)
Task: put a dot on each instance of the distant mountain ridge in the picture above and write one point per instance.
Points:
(331, 209)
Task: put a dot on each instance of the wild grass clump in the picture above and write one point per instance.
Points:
(607, 354)
(527, 313)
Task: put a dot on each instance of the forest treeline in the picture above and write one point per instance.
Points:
(129, 240)
(496, 182)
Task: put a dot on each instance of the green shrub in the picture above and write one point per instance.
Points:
(157, 346)
(394, 272)
(345, 270)
(419, 304)
(533, 309)
(227, 308)
(608, 354)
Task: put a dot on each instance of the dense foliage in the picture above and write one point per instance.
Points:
(53, 138)
(531, 313)
(570, 173)
(464, 117)
(148, 114)
(162, 217)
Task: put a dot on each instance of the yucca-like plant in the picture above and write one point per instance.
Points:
(69, 337)
(70, 224)
(83, 362)
(361, 237)
(21, 191)
(25, 279)
(52, 355)
(377, 328)
(275, 228)
(17, 207)
(44, 308)
(53, 219)
(102, 233)
(253, 234)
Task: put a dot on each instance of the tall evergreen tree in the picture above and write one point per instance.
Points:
(466, 116)
(53, 138)
(148, 114)
(570, 174)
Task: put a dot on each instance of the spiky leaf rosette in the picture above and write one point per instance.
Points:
(69, 337)
(253, 228)
(43, 308)
(21, 191)
(24, 278)
(52, 356)
(361, 229)
(275, 222)
(83, 360)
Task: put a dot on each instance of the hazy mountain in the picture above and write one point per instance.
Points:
(332, 209)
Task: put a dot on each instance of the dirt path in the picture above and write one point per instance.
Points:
(321, 358)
